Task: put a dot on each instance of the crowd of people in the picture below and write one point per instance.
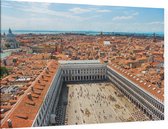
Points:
(99, 103)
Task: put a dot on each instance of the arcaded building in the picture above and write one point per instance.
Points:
(52, 103)
(93, 70)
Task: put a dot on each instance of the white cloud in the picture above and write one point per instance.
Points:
(155, 23)
(103, 11)
(35, 23)
(5, 5)
(126, 17)
(35, 9)
(39, 16)
(149, 26)
(43, 8)
(122, 18)
(79, 10)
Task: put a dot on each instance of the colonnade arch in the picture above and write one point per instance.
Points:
(150, 109)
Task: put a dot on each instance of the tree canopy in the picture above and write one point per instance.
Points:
(3, 71)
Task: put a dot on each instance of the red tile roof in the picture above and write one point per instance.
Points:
(26, 109)
(152, 89)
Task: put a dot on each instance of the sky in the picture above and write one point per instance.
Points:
(77, 17)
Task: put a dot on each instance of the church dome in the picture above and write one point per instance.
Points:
(11, 40)
(10, 34)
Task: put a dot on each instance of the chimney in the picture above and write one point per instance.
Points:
(47, 70)
(32, 89)
(29, 96)
(15, 97)
(9, 123)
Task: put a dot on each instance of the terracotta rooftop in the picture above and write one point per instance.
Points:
(150, 88)
(26, 108)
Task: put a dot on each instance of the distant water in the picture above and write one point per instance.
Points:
(160, 34)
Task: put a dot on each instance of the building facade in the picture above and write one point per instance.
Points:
(89, 70)
(93, 70)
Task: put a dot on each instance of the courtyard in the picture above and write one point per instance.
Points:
(93, 103)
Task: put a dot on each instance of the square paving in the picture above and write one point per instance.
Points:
(99, 103)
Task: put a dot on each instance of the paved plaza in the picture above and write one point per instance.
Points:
(99, 103)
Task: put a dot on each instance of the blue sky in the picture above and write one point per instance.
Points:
(74, 17)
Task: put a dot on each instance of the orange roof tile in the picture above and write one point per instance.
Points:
(153, 89)
(24, 112)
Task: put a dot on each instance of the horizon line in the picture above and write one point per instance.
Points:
(48, 30)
